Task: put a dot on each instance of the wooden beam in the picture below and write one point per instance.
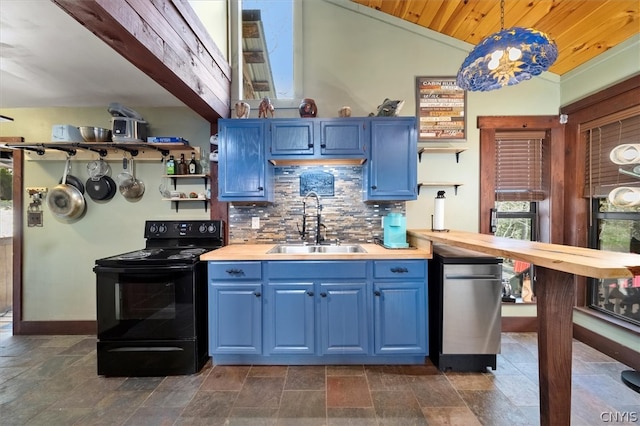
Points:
(255, 57)
(165, 40)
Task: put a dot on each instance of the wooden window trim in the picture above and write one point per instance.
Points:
(607, 102)
(551, 209)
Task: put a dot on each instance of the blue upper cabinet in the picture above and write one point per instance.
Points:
(291, 137)
(243, 172)
(316, 139)
(391, 172)
(249, 148)
(344, 138)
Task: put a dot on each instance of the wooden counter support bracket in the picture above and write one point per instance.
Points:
(555, 337)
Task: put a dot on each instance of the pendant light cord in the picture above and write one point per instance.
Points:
(501, 15)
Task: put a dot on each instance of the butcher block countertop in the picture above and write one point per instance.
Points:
(556, 267)
(259, 252)
(573, 260)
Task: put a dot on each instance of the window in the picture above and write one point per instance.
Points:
(615, 225)
(519, 186)
(264, 63)
(517, 220)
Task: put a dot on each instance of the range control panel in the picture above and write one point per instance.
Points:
(155, 229)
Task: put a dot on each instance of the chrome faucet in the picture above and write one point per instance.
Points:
(303, 233)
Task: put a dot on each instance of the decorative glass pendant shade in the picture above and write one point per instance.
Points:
(507, 58)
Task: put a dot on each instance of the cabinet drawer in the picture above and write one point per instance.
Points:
(311, 270)
(235, 270)
(400, 269)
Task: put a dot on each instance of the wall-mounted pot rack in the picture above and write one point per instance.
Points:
(87, 151)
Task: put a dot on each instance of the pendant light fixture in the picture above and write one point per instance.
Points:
(506, 58)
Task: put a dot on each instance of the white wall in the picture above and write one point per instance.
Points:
(214, 15)
(608, 68)
(357, 56)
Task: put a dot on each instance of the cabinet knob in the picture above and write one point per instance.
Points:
(257, 294)
(310, 145)
(323, 294)
(377, 293)
(260, 188)
(374, 187)
(309, 293)
(399, 270)
(323, 146)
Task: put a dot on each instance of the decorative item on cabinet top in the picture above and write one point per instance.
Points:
(142, 151)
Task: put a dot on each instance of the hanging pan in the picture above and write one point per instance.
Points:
(131, 188)
(65, 200)
(71, 179)
(100, 186)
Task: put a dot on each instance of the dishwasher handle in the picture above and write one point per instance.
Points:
(472, 277)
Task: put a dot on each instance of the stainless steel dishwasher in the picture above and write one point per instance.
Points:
(464, 314)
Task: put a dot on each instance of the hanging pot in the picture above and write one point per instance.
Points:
(101, 189)
(100, 186)
(70, 179)
(131, 188)
(66, 201)
(75, 182)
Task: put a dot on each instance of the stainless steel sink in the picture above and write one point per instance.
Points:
(300, 249)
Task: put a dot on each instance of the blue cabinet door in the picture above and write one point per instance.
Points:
(392, 168)
(243, 172)
(400, 317)
(342, 138)
(291, 137)
(289, 323)
(235, 318)
(344, 318)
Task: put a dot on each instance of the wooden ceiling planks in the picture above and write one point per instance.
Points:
(582, 29)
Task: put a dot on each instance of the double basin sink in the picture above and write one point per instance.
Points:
(300, 249)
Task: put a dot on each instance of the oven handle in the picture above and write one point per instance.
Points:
(145, 269)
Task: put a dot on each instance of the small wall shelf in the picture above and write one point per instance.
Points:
(178, 200)
(440, 184)
(175, 178)
(442, 150)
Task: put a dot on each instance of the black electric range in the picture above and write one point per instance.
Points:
(152, 302)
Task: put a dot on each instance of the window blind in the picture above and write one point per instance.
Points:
(603, 175)
(519, 166)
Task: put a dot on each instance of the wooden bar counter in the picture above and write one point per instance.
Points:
(556, 266)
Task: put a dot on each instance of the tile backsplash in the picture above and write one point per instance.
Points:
(344, 215)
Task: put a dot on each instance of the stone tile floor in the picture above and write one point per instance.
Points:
(51, 380)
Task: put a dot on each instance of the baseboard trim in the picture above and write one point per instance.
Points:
(54, 327)
(609, 347)
(519, 324)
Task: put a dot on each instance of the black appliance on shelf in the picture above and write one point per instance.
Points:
(152, 303)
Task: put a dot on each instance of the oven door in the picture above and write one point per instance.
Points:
(145, 303)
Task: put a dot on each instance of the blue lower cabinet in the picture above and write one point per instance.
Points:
(235, 318)
(318, 312)
(344, 319)
(235, 308)
(400, 307)
(289, 321)
(400, 317)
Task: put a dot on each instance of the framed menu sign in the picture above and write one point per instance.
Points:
(440, 108)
